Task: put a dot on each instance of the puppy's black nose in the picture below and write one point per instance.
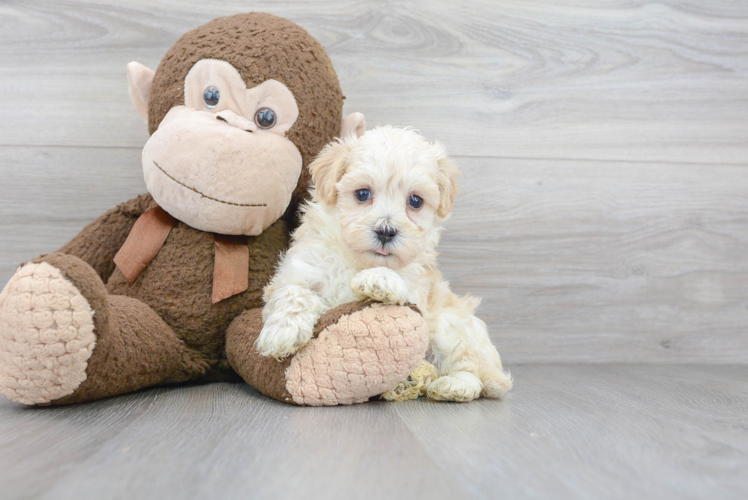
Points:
(386, 234)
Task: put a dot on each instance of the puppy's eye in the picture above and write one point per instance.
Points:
(211, 96)
(265, 118)
(415, 201)
(363, 195)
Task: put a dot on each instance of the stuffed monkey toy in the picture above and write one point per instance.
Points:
(167, 288)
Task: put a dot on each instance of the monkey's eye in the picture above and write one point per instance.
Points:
(265, 118)
(415, 201)
(211, 97)
(363, 195)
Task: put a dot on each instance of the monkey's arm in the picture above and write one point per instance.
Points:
(98, 242)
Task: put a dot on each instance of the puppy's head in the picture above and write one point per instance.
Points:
(391, 189)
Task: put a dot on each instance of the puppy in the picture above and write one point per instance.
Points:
(370, 232)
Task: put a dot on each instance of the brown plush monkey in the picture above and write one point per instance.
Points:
(237, 109)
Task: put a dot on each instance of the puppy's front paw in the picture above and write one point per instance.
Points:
(381, 284)
(460, 386)
(280, 339)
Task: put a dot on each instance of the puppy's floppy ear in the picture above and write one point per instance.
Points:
(329, 167)
(447, 180)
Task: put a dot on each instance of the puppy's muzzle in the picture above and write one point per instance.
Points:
(385, 233)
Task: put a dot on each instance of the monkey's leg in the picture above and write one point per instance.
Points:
(64, 340)
(359, 350)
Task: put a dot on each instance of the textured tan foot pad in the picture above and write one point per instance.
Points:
(362, 355)
(46, 335)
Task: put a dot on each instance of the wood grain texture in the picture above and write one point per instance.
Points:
(619, 80)
(579, 261)
(603, 261)
(582, 432)
(49, 194)
(589, 432)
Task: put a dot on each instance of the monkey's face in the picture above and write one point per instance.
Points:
(222, 162)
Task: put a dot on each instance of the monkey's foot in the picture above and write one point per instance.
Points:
(358, 351)
(46, 335)
(415, 385)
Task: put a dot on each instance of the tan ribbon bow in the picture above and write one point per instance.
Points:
(147, 236)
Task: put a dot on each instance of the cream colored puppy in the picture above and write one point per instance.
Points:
(370, 232)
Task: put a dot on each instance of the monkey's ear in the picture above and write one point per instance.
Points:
(140, 78)
(355, 122)
(329, 167)
(447, 180)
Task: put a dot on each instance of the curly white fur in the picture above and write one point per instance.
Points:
(336, 257)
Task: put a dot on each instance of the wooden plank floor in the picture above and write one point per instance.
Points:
(577, 432)
(603, 218)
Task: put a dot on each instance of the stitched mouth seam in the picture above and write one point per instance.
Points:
(205, 195)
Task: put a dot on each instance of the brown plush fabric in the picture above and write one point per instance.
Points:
(267, 375)
(261, 47)
(99, 242)
(178, 284)
(135, 349)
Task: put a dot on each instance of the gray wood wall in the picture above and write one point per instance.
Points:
(604, 212)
